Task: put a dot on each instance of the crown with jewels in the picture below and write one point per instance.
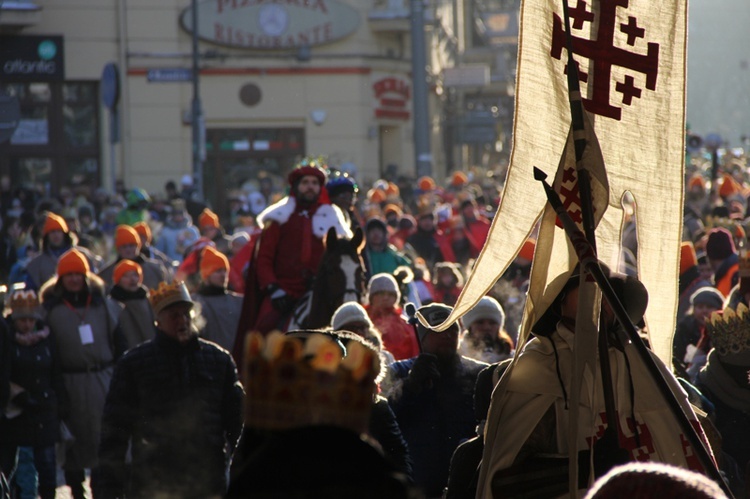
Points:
(168, 294)
(293, 383)
(730, 330)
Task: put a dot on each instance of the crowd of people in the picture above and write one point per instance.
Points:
(128, 316)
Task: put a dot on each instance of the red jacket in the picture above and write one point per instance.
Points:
(399, 337)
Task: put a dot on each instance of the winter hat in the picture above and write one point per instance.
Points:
(347, 313)
(125, 234)
(125, 266)
(434, 314)
(208, 218)
(426, 183)
(211, 261)
(688, 258)
(708, 296)
(374, 223)
(72, 262)
(24, 304)
(487, 308)
(144, 231)
(720, 244)
(654, 480)
(459, 179)
(527, 250)
(54, 222)
(383, 282)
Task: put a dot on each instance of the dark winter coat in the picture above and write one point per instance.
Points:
(181, 407)
(384, 428)
(36, 369)
(221, 309)
(436, 420)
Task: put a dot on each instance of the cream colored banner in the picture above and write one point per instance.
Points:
(631, 56)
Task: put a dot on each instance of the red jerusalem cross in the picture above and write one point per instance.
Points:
(604, 55)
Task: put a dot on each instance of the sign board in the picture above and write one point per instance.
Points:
(392, 97)
(169, 75)
(471, 75)
(261, 25)
(31, 58)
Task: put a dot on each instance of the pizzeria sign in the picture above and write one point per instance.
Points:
(272, 24)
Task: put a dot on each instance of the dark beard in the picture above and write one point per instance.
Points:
(307, 199)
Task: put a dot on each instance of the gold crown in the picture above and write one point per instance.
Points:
(168, 294)
(292, 384)
(24, 303)
(730, 330)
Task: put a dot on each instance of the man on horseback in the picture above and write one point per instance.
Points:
(292, 244)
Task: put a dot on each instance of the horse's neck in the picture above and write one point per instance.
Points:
(321, 306)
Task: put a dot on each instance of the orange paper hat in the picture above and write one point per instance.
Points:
(688, 258)
(126, 266)
(125, 234)
(208, 219)
(211, 261)
(144, 231)
(54, 222)
(72, 262)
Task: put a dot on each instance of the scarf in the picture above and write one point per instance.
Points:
(32, 337)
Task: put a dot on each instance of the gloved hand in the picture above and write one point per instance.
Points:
(423, 373)
(280, 300)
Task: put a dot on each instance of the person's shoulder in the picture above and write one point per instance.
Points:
(213, 350)
(473, 364)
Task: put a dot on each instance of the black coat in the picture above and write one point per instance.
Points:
(436, 420)
(36, 369)
(181, 406)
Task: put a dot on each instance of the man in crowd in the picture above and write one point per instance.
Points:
(291, 246)
(432, 397)
(219, 307)
(56, 240)
(177, 400)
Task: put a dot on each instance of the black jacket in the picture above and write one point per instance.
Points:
(181, 406)
(36, 369)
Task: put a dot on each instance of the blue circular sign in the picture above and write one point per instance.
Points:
(47, 50)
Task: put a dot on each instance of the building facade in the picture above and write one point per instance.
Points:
(278, 81)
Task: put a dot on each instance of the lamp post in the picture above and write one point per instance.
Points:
(422, 154)
(197, 122)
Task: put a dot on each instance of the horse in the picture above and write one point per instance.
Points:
(340, 278)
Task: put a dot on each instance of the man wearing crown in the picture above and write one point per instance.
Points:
(290, 247)
(176, 399)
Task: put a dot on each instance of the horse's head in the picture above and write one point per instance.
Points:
(343, 268)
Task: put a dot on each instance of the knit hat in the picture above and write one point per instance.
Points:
(426, 183)
(458, 179)
(729, 186)
(654, 480)
(383, 282)
(527, 250)
(54, 222)
(208, 218)
(211, 261)
(125, 266)
(24, 304)
(376, 223)
(144, 231)
(688, 258)
(434, 314)
(347, 313)
(125, 234)
(708, 296)
(72, 262)
(720, 244)
(487, 308)
(376, 195)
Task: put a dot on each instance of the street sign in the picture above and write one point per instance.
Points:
(169, 75)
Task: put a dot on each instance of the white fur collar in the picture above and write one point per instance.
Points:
(325, 217)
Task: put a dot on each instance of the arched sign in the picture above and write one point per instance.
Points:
(272, 25)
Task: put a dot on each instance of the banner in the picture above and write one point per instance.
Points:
(631, 60)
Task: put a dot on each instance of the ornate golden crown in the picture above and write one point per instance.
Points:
(292, 384)
(168, 294)
(730, 330)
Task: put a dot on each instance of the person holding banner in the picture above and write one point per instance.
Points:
(534, 404)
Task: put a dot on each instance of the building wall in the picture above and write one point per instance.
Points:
(156, 134)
